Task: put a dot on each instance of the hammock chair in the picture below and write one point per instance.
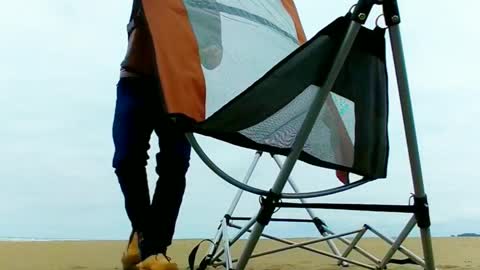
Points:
(243, 72)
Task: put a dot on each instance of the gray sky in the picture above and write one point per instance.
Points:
(59, 66)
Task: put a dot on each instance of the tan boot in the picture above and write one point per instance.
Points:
(131, 256)
(157, 262)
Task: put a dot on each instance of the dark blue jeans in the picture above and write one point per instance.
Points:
(138, 113)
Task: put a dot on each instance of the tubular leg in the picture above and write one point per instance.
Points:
(312, 215)
(409, 125)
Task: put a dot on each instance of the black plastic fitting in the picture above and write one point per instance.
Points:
(268, 205)
(320, 225)
(362, 10)
(391, 12)
(422, 212)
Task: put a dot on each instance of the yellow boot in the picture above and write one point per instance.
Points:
(157, 262)
(131, 257)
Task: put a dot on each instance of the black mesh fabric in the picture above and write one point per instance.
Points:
(350, 133)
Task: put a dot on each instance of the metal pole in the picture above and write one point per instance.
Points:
(236, 199)
(354, 242)
(302, 135)
(397, 244)
(287, 242)
(293, 185)
(243, 230)
(226, 246)
(233, 205)
(360, 250)
(340, 237)
(312, 215)
(410, 133)
(407, 110)
(216, 241)
(303, 244)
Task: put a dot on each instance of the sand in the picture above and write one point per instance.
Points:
(450, 253)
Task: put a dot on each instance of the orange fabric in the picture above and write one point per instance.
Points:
(177, 57)
(292, 10)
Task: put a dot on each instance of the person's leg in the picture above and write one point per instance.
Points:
(132, 128)
(172, 165)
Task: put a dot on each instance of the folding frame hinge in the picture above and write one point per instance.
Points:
(320, 225)
(391, 12)
(422, 212)
(362, 10)
(268, 205)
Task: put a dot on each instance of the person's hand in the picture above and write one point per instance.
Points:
(211, 56)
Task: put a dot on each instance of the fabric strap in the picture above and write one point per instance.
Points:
(191, 258)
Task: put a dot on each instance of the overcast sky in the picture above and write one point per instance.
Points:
(59, 65)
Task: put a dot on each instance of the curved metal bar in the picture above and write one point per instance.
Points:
(303, 195)
(326, 192)
(219, 171)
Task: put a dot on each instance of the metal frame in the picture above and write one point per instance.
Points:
(219, 252)
(226, 221)
(257, 224)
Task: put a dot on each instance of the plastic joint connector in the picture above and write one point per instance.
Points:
(422, 212)
(268, 203)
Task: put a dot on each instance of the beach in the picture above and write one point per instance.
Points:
(450, 253)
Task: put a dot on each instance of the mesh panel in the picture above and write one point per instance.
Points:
(235, 40)
(332, 137)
